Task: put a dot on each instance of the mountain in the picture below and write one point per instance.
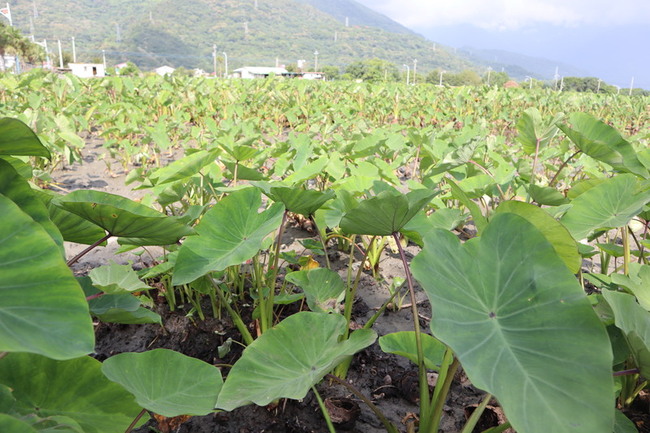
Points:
(519, 66)
(357, 14)
(251, 32)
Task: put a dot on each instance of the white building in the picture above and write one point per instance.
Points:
(87, 70)
(165, 70)
(258, 72)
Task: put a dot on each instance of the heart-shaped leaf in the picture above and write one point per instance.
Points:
(167, 382)
(229, 234)
(275, 366)
(612, 203)
(42, 308)
(16, 138)
(16, 188)
(386, 213)
(403, 344)
(73, 228)
(534, 133)
(323, 287)
(638, 282)
(554, 232)
(604, 143)
(300, 201)
(75, 389)
(521, 326)
(116, 278)
(634, 321)
(124, 218)
(183, 168)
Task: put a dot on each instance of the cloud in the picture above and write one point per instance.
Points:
(513, 14)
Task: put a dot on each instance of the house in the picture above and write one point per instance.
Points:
(87, 70)
(165, 70)
(120, 66)
(313, 76)
(249, 72)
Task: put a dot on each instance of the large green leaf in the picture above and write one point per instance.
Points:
(16, 138)
(229, 234)
(167, 382)
(16, 188)
(124, 218)
(114, 278)
(612, 203)
(290, 358)
(604, 143)
(554, 232)
(42, 308)
(10, 424)
(386, 213)
(323, 287)
(457, 192)
(75, 389)
(634, 321)
(534, 133)
(521, 326)
(73, 228)
(183, 168)
(638, 282)
(404, 344)
(300, 201)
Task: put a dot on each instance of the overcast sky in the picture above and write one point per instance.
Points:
(607, 38)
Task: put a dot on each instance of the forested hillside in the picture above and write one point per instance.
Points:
(182, 33)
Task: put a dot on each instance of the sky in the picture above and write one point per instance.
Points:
(605, 38)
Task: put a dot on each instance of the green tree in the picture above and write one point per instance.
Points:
(13, 42)
(463, 78)
(129, 70)
(331, 72)
(497, 78)
(373, 70)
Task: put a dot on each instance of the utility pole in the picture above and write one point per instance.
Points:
(60, 55)
(336, 36)
(74, 52)
(631, 86)
(347, 21)
(488, 75)
(7, 14)
(598, 87)
(530, 81)
(214, 59)
(440, 82)
(415, 69)
(408, 74)
(104, 58)
(225, 57)
(316, 61)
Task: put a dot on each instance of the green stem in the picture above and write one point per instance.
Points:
(322, 241)
(476, 415)
(135, 421)
(323, 409)
(626, 250)
(76, 258)
(389, 426)
(564, 164)
(499, 429)
(352, 291)
(236, 318)
(381, 310)
(439, 404)
(424, 385)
